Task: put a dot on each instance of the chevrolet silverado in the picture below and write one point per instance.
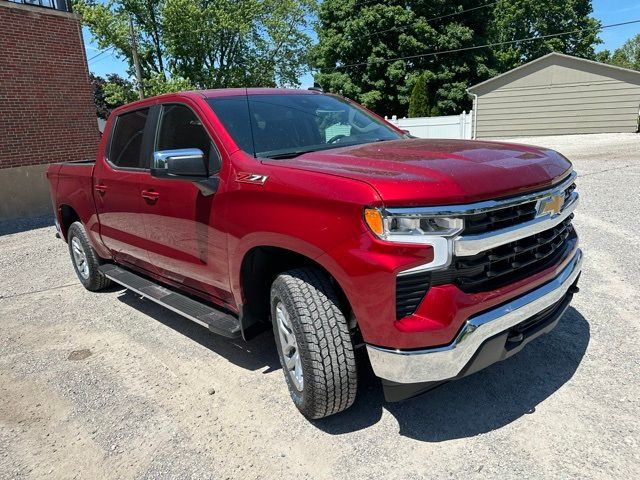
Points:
(244, 208)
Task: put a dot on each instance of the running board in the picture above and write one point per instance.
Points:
(215, 320)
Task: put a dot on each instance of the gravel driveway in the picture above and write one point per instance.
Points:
(107, 385)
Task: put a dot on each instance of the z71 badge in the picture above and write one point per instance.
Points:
(252, 178)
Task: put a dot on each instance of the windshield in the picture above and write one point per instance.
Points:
(284, 126)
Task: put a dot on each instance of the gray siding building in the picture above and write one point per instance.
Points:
(556, 95)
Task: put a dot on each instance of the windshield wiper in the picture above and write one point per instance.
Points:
(293, 154)
(297, 153)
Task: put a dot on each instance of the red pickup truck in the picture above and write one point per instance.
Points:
(242, 208)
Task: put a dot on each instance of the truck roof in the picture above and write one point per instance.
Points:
(228, 92)
(215, 93)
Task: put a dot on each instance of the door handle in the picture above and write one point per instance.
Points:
(101, 189)
(150, 195)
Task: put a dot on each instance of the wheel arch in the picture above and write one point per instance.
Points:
(262, 264)
(68, 215)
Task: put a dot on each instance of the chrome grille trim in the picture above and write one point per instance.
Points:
(467, 245)
(486, 206)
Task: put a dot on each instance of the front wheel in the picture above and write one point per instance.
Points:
(85, 260)
(314, 345)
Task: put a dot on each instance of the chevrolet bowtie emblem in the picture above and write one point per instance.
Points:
(551, 205)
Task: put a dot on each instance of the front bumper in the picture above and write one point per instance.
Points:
(439, 364)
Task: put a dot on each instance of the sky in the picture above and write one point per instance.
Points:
(607, 11)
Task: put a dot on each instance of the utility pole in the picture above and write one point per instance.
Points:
(136, 60)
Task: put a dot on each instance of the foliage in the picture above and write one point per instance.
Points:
(205, 43)
(418, 102)
(97, 87)
(119, 91)
(114, 91)
(355, 37)
(238, 43)
(537, 18)
(603, 56)
(158, 84)
(375, 51)
(110, 93)
(627, 56)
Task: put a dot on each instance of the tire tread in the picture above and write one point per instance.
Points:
(332, 385)
(96, 281)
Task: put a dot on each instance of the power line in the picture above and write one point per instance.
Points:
(93, 64)
(417, 20)
(100, 53)
(476, 47)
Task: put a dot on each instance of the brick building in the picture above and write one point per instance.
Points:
(46, 106)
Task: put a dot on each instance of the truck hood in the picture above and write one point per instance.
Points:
(432, 172)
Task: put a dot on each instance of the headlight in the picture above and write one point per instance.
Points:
(416, 228)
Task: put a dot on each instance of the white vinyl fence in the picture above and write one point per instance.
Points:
(451, 126)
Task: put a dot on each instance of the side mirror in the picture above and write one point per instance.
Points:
(185, 164)
(181, 164)
(407, 134)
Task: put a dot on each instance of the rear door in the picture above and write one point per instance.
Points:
(116, 184)
(184, 242)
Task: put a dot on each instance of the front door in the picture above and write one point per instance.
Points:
(116, 183)
(183, 243)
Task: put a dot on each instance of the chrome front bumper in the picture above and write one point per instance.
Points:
(446, 362)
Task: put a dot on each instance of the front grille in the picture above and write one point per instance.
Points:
(410, 290)
(497, 219)
(498, 266)
(569, 191)
(505, 217)
(511, 262)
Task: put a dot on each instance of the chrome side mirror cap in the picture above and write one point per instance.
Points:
(184, 162)
(187, 164)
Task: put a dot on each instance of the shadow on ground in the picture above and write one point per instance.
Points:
(480, 403)
(253, 355)
(8, 227)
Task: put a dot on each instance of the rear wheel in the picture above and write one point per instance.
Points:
(314, 344)
(85, 260)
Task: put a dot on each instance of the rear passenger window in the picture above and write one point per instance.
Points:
(126, 142)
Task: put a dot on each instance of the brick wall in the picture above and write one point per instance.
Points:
(46, 105)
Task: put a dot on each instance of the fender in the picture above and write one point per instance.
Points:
(266, 239)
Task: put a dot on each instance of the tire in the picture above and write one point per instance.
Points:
(305, 299)
(85, 260)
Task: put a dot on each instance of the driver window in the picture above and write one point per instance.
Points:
(181, 128)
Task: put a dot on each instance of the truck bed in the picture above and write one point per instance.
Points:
(72, 185)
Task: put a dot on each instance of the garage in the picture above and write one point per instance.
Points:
(557, 95)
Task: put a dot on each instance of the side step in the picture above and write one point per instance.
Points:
(215, 320)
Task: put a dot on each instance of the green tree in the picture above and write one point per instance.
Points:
(628, 55)
(603, 56)
(374, 51)
(97, 88)
(108, 23)
(356, 41)
(418, 102)
(536, 18)
(205, 43)
(111, 92)
(238, 43)
(119, 91)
